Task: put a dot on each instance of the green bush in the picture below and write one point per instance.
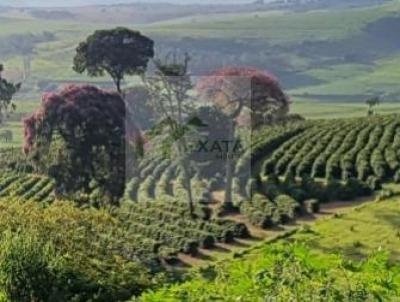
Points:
(374, 183)
(27, 268)
(288, 272)
(286, 207)
(81, 253)
(385, 194)
(311, 206)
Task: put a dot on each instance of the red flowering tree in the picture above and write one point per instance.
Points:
(78, 136)
(233, 89)
(239, 92)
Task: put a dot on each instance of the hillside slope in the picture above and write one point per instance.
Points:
(284, 271)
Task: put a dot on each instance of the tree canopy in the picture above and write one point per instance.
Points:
(233, 89)
(7, 91)
(118, 52)
(78, 136)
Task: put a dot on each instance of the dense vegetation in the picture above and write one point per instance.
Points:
(289, 273)
(168, 228)
(27, 187)
(341, 149)
(309, 264)
(62, 253)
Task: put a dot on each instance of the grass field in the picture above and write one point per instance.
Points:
(314, 109)
(275, 27)
(378, 78)
(355, 234)
(17, 130)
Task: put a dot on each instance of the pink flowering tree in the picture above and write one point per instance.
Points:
(79, 137)
(245, 95)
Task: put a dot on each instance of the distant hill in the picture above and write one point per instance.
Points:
(149, 11)
(71, 3)
(140, 13)
(52, 3)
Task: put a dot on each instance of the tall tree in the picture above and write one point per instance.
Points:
(169, 90)
(24, 45)
(78, 136)
(7, 91)
(239, 91)
(118, 52)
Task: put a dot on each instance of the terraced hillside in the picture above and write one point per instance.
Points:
(165, 229)
(365, 148)
(345, 258)
(294, 168)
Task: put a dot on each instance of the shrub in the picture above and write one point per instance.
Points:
(131, 189)
(385, 194)
(286, 207)
(27, 268)
(359, 188)
(374, 183)
(311, 206)
(255, 215)
(238, 230)
(85, 252)
(270, 189)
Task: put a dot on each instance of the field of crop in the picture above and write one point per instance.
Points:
(26, 187)
(361, 148)
(368, 233)
(294, 169)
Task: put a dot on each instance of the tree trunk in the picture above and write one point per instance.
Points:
(188, 187)
(118, 84)
(187, 183)
(228, 170)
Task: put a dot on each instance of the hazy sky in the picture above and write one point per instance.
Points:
(90, 2)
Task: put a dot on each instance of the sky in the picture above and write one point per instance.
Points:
(44, 3)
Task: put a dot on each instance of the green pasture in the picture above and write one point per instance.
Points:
(355, 234)
(314, 109)
(381, 77)
(275, 26)
(17, 130)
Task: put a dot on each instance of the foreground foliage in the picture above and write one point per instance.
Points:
(62, 253)
(289, 273)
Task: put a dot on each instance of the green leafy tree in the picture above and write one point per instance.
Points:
(7, 91)
(169, 90)
(118, 52)
(372, 103)
(23, 45)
